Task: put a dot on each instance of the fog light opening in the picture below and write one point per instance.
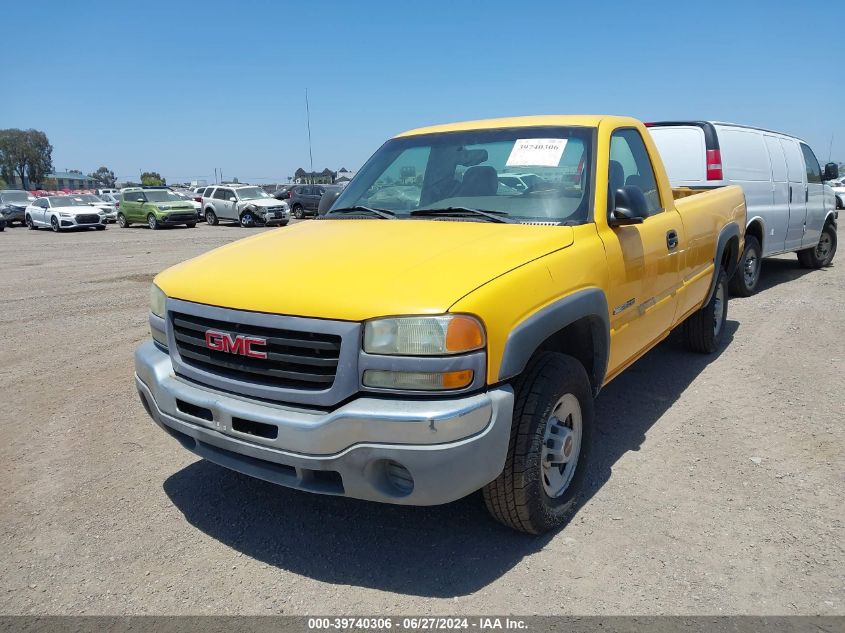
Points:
(398, 477)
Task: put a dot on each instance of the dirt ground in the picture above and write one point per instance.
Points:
(717, 486)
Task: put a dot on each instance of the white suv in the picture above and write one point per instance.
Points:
(248, 205)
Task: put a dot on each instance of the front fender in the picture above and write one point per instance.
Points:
(527, 337)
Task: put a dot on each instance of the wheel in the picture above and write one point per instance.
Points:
(29, 223)
(54, 224)
(549, 446)
(705, 329)
(122, 222)
(822, 254)
(211, 218)
(152, 221)
(744, 280)
(298, 211)
(191, 225)
(247, 219)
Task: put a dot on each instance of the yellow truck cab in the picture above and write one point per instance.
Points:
(452, 330)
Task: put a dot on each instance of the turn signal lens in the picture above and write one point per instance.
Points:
(417, 381)
(463, 333)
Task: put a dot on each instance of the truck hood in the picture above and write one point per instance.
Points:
(359, 269)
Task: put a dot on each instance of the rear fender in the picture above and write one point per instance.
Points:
(728, 233)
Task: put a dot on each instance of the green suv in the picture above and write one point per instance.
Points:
(155, 208)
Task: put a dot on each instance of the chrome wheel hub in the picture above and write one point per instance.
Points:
(561, 445)
(824, 246)
(751, 268)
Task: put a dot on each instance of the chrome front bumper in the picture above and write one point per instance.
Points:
(447, 447)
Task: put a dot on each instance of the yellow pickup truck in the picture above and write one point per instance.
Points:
(462, 303)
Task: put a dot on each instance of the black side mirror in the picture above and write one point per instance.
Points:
(629, 206)
(831, 171)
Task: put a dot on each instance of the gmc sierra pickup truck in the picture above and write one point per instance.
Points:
(452, 331)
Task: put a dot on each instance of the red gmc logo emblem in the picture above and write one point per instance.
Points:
(235, 343)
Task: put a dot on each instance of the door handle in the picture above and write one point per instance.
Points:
(672, 239)
(790, 193)
(806, 193)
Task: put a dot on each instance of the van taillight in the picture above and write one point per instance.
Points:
(714, 164)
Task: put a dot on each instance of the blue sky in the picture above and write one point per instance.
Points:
(184, 87)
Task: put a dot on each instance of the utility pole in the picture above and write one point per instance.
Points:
(308, 123)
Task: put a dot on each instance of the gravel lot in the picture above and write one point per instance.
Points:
(718, 486)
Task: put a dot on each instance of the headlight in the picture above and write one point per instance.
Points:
(157, 300)
(424, 336)
(62, 214)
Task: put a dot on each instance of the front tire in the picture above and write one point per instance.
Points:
(247, 220)
(705, 329)
(191, 225)
(54, 224)
(549, 446)
(298, 212)
(29, 223)
(122, 222)
(211, 218)
(152, 221)
(821, 254)
(747, 275)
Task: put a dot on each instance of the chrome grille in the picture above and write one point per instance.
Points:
(296, 360)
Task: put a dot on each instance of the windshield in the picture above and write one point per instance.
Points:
(251, 193)
(66, 201)
(535, 173)
(15, 196)
(161, 195)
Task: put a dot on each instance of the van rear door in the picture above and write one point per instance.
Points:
(690, 152)
(684, 154)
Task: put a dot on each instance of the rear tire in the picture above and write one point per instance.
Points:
(821, 254)
(705, 329)
(211, 218)
(152, 222)
(547, 456)
(745, 279)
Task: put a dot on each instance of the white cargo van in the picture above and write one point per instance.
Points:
(789, 206)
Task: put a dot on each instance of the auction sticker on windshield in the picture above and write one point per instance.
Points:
(536, 152)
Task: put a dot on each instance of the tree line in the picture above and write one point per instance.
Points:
(26, 155)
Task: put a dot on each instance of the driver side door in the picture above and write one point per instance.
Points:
(645, 259)
(39, 211)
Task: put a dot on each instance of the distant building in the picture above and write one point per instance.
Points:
(60, 180)
(325, 177)
(344, 175)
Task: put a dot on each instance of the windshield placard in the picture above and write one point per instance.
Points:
(536, 152)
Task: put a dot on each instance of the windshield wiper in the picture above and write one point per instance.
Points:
(492, 216)
(386, 214)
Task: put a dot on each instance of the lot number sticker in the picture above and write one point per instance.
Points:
(536, 152)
